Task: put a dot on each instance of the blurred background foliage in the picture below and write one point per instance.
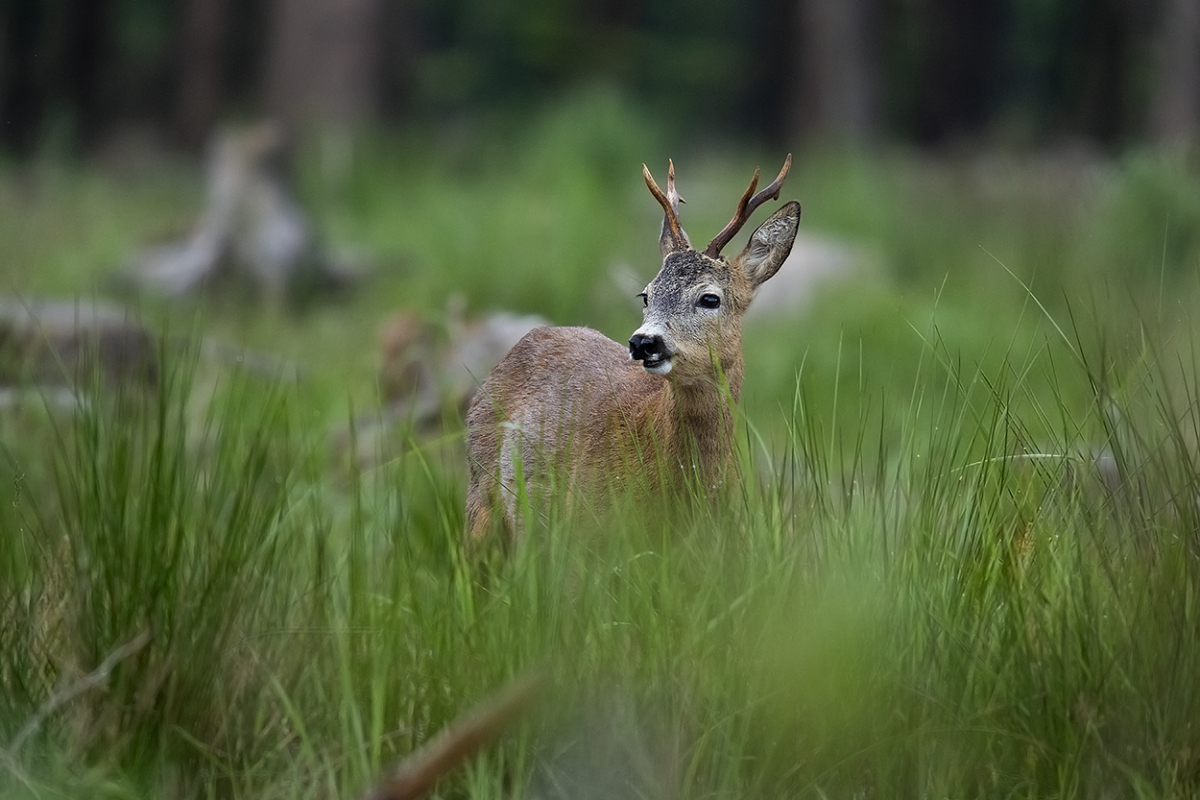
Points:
(490, 149)
(929, 72)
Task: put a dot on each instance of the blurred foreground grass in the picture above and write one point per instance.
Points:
(963, 561)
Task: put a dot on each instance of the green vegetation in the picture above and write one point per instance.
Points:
(963, 561)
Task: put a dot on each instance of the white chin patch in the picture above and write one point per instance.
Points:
(659, 367)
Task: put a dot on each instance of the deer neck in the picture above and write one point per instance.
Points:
(699, 418)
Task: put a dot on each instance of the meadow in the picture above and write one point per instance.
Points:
(963, 559)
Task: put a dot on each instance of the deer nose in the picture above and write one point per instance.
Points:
(643, 347)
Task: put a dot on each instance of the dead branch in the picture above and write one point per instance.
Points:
(459, 741)
(93, 679)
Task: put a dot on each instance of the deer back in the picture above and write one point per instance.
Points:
(564, 404)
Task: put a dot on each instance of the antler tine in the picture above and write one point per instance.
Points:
(673, 237)
(672, 194)
(746, 207)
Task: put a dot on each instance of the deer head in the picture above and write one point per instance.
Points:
(693, 308)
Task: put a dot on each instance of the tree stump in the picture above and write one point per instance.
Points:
(253, 233)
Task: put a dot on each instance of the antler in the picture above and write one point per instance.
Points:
(746, 207)
(673, 237)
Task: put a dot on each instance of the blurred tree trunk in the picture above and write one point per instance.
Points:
(5, 66)
(200, 71)
(399, 46)
(86, 41)
(22, 101)
(837, 87)
(1105, 96)
(1175, 100)
(321, 63)
(958, 67)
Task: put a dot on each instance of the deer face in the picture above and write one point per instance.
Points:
(694, 306)
(690, 316)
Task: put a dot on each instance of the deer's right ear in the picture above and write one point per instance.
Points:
(770, 244)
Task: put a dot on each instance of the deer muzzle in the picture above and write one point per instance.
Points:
(651, 350)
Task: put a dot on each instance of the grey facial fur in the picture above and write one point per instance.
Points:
(673, 312)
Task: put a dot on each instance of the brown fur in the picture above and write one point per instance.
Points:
(568, 407)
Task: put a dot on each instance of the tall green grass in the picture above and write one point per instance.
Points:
(961, 610)
(961, 561)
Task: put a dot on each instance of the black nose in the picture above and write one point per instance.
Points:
(642, 347)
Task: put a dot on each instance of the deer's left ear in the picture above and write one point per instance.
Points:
(770, 244)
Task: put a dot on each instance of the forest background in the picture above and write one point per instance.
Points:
(925, 72)
(963, 557)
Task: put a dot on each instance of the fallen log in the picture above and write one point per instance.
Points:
(72, 344)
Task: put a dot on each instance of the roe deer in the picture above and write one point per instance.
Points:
(571, 403)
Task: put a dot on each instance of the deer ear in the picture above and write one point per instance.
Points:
(770, 244)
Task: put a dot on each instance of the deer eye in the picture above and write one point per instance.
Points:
(709, 300)
(645, 299)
